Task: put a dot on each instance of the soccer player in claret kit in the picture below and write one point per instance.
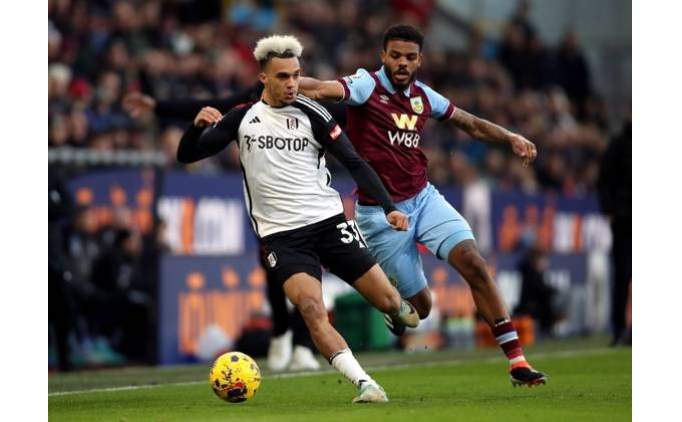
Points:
(296, 214)
(386, 115)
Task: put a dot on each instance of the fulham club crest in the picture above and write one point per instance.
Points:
(272, 259)
(417, 104)
(292, 123)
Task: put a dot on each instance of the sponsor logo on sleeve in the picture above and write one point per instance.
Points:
(335, 132)
(349, 79)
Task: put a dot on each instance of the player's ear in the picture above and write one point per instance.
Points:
(262, 77)
(383, 56)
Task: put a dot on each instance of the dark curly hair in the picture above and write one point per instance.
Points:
(403, 33)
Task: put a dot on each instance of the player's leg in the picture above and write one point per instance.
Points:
(302, 357)
(466, 258)
(445, 232)
(305, 292)
(422, 302)
(375, 287)
(397, 255)
(280, 349)
(343, 250)
(290, 343)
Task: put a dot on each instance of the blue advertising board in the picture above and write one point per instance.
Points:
(212, 276)
(225, 292)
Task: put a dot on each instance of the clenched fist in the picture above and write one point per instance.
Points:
(398, 220)
(207, 116)
(523, 148)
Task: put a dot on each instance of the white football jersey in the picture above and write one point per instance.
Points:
(286, 181)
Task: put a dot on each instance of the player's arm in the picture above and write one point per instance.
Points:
(137, 104)
(488, 131)
(321, 90)
(201, 140)
(365, 177)
(353, 90)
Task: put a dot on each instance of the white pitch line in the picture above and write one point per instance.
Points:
(560, 354)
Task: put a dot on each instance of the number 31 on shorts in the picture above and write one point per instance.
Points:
(349, 232)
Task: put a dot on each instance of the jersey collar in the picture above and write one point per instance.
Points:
(388, 85)
(262, 100)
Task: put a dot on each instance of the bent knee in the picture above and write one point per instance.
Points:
(469, 262)
(423, 310)
(422, 303)
(312, 309)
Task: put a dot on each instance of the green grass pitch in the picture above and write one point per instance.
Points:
(587, 383)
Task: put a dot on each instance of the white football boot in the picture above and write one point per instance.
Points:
(408, 317)
(303, 360)
(279, 352)
(370, 392)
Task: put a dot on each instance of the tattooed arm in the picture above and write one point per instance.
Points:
(485, 130)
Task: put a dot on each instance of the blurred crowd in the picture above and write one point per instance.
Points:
(102, 283)
(101, 278)
(101, 50)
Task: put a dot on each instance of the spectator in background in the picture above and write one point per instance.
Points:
(521, 19)
(120, 309)
(58, 80)
(537, 297)
(83, 243)
(615, 197)
(512, 53)
(99, 51)
(170, 139)
(573, 72)
(60, 306)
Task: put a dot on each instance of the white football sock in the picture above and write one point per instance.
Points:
(344, 362)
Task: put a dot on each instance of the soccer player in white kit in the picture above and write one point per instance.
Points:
(296, 214)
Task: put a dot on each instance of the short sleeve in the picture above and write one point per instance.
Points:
(357, 87)
(441, 107)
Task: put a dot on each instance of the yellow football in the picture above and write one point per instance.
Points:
(234, 377)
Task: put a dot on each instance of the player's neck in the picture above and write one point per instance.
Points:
(267, 99)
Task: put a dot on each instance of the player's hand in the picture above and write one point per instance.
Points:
(207, 116)
(136, 104)
(398, 220)
(523, 148)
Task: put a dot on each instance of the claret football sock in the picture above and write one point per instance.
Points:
(520, 371)
(508, 340)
